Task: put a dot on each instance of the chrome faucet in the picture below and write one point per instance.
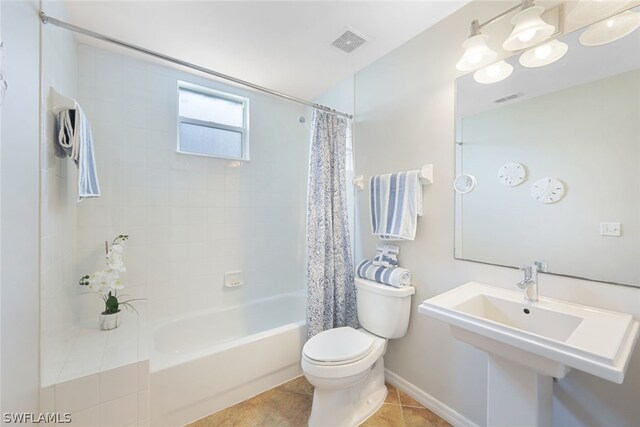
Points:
(530, 281)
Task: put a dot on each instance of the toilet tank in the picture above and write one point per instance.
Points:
(382, 309)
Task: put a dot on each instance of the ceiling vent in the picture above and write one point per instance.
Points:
(349, 41)
(509, 98)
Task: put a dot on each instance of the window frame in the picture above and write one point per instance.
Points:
(243, 130)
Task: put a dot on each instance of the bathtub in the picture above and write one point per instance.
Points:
(204, 362)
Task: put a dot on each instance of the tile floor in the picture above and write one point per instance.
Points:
(289, 405)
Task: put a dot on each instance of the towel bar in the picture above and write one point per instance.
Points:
(358, 181)
(426, 177)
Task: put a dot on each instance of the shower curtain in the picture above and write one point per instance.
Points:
(331, 294)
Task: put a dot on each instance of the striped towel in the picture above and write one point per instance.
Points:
(396, 202)
(393, 276)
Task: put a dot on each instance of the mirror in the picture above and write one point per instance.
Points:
(556, 154)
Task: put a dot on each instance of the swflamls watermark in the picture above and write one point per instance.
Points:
(33, 418)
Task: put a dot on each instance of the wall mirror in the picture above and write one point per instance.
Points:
(556, 153)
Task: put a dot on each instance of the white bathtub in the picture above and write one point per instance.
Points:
(204, 362)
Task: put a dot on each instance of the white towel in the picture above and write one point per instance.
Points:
(394, 276)
(75, 140)
(396, 203)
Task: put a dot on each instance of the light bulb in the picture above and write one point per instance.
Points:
(545, 54)
(493, 70)
(586, 11)
(493, 73)
(611, 29)
(474, 59)
(527, 35)
(476, 53)
(543, 51)
(529, 29)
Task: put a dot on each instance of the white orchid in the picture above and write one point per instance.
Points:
(107, 282)
(116, 284)
(115, 258)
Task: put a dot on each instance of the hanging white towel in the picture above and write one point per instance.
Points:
(76, 141)
(396, 203)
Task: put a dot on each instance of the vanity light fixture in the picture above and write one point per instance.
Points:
(493, 73)
(530, 29)
(476, 52)
(586, 11)
(544, 54)
(611, 29)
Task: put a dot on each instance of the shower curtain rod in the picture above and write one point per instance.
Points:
(58, 23)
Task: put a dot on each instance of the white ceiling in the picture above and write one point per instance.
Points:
(283, 45)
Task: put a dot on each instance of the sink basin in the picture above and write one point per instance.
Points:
(539, 321)
(549, 336)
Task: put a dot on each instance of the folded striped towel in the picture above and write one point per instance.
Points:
(396, 202)
(393, 276)
(386, 255)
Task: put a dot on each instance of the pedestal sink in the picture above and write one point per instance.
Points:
(530, 343)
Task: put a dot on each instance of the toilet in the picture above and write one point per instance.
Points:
(346, 365)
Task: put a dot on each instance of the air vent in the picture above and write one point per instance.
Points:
(349, 41)
(509, 98)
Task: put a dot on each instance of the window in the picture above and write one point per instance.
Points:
(212, 123)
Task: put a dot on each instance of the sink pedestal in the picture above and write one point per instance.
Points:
(517, 395)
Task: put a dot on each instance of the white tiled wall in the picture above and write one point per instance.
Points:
(72, 346)
(114, 398)
(190, 218)
(58, 281)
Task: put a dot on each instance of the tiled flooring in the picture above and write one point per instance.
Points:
(289, 405)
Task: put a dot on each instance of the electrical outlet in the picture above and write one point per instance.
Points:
(610, 229)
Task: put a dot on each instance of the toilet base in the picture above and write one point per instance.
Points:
(349, 406)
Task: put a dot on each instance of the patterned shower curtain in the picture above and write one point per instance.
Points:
(331, 294)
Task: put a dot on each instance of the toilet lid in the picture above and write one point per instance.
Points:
(338, 345)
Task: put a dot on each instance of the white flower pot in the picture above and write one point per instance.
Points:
(109, 321)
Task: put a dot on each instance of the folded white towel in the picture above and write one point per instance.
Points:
(75, 140)
(394, 276)
(386, 255)
(396, 203)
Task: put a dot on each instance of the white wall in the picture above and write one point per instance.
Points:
(405, 118)
(58, 276)
(19, 216)
(587, 136)
(190, 218)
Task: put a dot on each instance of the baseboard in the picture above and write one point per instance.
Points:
(428, 401)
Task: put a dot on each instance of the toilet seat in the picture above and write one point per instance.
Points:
(345, 368)
(337, 346)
